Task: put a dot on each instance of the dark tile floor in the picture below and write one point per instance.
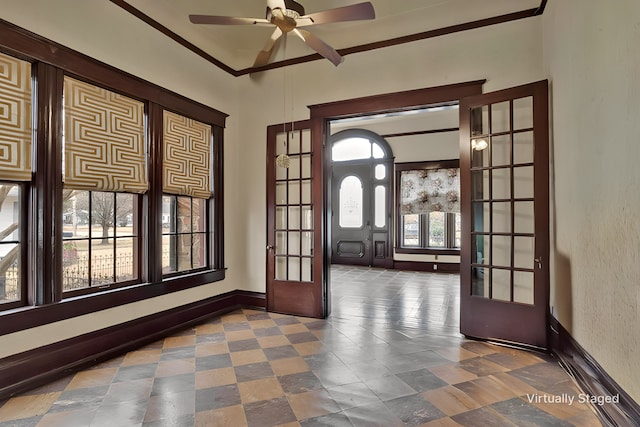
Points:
(389, 355)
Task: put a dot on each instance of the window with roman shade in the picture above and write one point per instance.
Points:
(186, 188)
(105, 170)
(429, 205)
(15, 170)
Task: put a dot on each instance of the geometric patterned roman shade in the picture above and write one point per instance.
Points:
(186, 157)
(104, 143)
(15, 119)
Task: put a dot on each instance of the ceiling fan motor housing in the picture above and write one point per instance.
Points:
(286, 20)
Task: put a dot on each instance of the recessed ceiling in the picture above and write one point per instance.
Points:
(236, 46)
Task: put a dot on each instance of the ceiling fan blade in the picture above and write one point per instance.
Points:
(355, 12)
(319, 46)
(265, 54)
(225, 20)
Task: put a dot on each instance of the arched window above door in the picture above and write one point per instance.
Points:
(358, 144)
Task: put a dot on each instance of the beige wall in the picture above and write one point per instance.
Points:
(505, 55)
(592, 59)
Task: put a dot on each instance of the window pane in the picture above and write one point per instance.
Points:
(500, 117)
(10, 289)
(184, 215)
(102, 262)
(436, 229)
(350, 203)
(199, 250)
(378, 153)
(458, 230)
(380, 206)
(410, 230)
(102, 214)
(198, 215)
(75, 264)
(184, 240)
(380, 172)
(184, 252)
(169, 257)
(125, 256)
(523, 113)
(501, 284)
(351, 149)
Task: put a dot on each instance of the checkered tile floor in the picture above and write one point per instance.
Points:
(388, 356)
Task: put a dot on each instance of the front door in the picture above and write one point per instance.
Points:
(351, 210)
(504, 166)
(361, 203)
(296, 274)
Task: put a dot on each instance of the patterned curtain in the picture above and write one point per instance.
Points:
(186, 158)
(430, 190)
(15, 119)
(104, 144)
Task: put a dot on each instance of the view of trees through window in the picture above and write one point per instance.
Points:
(100, 239)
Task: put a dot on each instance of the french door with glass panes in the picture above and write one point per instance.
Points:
(296, 278)
(505, 215)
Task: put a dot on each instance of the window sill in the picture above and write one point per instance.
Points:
(23, 318)
(428, 251)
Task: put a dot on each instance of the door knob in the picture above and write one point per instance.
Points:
(539, 261)
(269, 247)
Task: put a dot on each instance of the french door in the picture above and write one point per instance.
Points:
(504, 164)
(296, 274)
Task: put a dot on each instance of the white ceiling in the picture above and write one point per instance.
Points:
(237, 46)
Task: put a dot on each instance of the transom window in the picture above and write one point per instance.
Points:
(356, 149)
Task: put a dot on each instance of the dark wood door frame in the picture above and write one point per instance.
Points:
(322, 114)
(313, 298)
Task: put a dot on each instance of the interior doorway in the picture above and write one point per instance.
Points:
(361, 198)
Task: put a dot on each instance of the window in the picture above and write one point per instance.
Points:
(184, 234)
(350, 202)
(104, 149)
(429, 207)
(109, 205)
(15, 175)
(356, 148)
(11, 264)
(100, 240)
(186, 175)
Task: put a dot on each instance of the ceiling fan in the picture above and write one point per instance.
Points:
(288, 16)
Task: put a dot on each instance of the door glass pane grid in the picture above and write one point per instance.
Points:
(493, 185)
(294, 212)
